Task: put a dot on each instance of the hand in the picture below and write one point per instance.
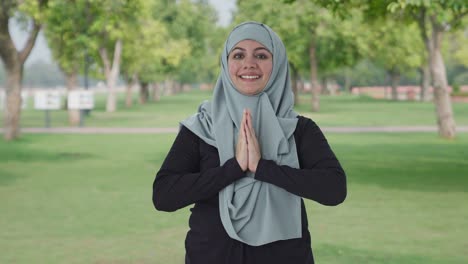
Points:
(241, 148)
(253, 147)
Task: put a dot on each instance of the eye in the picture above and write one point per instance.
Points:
(261, 56)
(238, 55)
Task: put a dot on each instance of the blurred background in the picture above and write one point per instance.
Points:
(92, 93)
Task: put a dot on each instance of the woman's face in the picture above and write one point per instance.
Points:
(250, 65)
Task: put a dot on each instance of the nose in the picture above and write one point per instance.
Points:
(249, 62)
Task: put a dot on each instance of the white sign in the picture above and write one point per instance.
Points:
(47, 100)
(2, 100)
(24, 100)
(80, 99)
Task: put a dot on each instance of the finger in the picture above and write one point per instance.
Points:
(241, 148)
(249, 124)
(242, 126)
(247, 127)
(245, 124)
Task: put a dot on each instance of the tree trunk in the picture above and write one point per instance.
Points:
(300, 84)
(177, 87)
(72, 84)
(13, 61)
(394, 82)
(168, 86)
(131, 82)
(425, 82)
(324, 85)
(347, 80)
(112, 72)
(314, 78)
(425, 69)
(333, 87)
(156, 92)
(443, 103)
(144, 92)
(129, 95)
(13, 102)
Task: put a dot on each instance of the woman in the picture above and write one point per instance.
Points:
(246, 159)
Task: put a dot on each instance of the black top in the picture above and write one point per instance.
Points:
(191, 174)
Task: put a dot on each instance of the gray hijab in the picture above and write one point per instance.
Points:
(254, 212)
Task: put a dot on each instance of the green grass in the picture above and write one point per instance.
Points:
(87, 199)
(352, 110)
(344, 110)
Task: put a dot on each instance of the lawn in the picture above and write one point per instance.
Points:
(344, 110)
(87, 199)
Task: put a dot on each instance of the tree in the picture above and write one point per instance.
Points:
(195, 22)
(66, 30)
(395, 47)
(13, 60)
(434, 19)
(109, 22)
(160, 51)
(340, 46)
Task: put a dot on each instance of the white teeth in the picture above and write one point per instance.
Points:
(250, 77)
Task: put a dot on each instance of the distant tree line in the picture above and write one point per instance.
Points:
(365, 73)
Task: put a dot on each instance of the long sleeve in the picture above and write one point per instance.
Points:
(181, 182)
(320, 176)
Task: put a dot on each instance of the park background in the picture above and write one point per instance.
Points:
(75, 194)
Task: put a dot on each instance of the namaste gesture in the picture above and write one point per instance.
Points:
(247, 150)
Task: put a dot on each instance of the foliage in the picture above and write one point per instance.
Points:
(195, 22)
(338, 45)
(28, 10)
(42, 75)
(444, 11)
(461, 78)
(67, 33)
(394, 46)
(77, 29)
(149, 48)
(110, 22)
(455, 48)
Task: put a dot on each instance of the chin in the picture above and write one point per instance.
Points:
(250, 90)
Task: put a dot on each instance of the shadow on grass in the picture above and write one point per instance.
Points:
(7, 177)
(19, 154)
(19, 151)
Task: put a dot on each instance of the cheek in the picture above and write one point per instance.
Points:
(232, 70)
(267, 68)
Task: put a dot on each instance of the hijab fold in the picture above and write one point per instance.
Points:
(254, 212)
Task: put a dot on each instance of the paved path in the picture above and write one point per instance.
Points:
(148, 130)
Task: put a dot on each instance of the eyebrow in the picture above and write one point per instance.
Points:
(242, 49)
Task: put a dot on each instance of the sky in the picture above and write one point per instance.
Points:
(41, 51)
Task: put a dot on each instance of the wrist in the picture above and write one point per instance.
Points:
(254, 166)
(240, 164)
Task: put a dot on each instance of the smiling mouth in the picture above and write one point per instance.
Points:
(250, 77)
